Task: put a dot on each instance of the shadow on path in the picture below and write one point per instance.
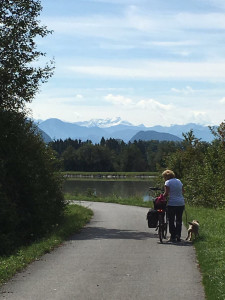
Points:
(105, 233)
(182, 243)
(97, 233)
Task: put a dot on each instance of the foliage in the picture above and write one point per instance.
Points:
(74, 219)
(113, 155)
(30, 190)
(201, 166)
(19, 77)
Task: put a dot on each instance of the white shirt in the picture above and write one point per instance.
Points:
(175, 192)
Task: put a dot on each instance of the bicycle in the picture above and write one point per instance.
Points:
(162, 224)
(162, 219)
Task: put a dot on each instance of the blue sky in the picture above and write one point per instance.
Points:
(151, 62)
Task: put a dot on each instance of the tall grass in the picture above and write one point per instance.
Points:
(75, 218)
(210, 249)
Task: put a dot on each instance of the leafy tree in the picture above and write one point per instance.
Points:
(31, 199)
(30, 189)
(132, 159)
(70, 159)
(201, 166)
(20, 79)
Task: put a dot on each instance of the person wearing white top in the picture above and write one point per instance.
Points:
(173, 189)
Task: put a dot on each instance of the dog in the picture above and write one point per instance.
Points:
(193, 230)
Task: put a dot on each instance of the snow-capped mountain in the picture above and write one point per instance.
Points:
(104, 123)
(94, 130)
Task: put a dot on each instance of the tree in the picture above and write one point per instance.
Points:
(70, 159)
(132, 159)
(219, 132)
(201, 166)
(30, 189)
(19, 27)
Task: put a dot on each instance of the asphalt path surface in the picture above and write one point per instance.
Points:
(115, 257)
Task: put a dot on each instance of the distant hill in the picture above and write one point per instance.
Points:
(150, 135)
(118, 129)
(45, 136)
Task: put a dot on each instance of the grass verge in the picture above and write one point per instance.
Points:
(75, 218)
(135, 201)
(210, 249)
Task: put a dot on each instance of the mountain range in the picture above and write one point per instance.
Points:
(116, 128)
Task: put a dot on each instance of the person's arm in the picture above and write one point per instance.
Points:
(166, 191)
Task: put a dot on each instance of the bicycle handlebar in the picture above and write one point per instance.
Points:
(154, 189)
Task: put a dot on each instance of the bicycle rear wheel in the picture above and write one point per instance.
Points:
(161, 227)
(160, 233)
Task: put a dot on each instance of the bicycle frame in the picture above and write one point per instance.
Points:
(162, 224)
(162, 214)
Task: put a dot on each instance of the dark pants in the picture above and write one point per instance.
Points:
(175, 220)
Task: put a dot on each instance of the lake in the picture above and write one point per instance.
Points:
(102, 188)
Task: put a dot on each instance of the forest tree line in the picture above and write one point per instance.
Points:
(112, 155)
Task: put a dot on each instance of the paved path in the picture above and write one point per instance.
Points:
(115, 257)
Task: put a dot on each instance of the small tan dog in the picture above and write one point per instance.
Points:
(193, 230)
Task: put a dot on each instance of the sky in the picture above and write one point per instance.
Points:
(151, 62)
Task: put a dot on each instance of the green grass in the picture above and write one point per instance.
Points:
(210, 249)
(75, 218)
(135, 201)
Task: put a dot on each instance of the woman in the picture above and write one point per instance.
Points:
(174, 190)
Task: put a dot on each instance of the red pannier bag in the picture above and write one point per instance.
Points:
(160, 202)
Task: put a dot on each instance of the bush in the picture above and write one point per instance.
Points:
(30, 190)
(201, 167)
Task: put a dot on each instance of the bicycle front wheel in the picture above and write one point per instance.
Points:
(165, 230)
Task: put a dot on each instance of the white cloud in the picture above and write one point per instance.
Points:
(153, 104)
(174, 43)
(201, 21)
(133, 20)
(119, 100)
(79, 96)
(156, 70)
(222, 100)
(182, 53)
(186, 91)
(200, 117)
(144, 104)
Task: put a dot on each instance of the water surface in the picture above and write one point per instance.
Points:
(109, 187)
